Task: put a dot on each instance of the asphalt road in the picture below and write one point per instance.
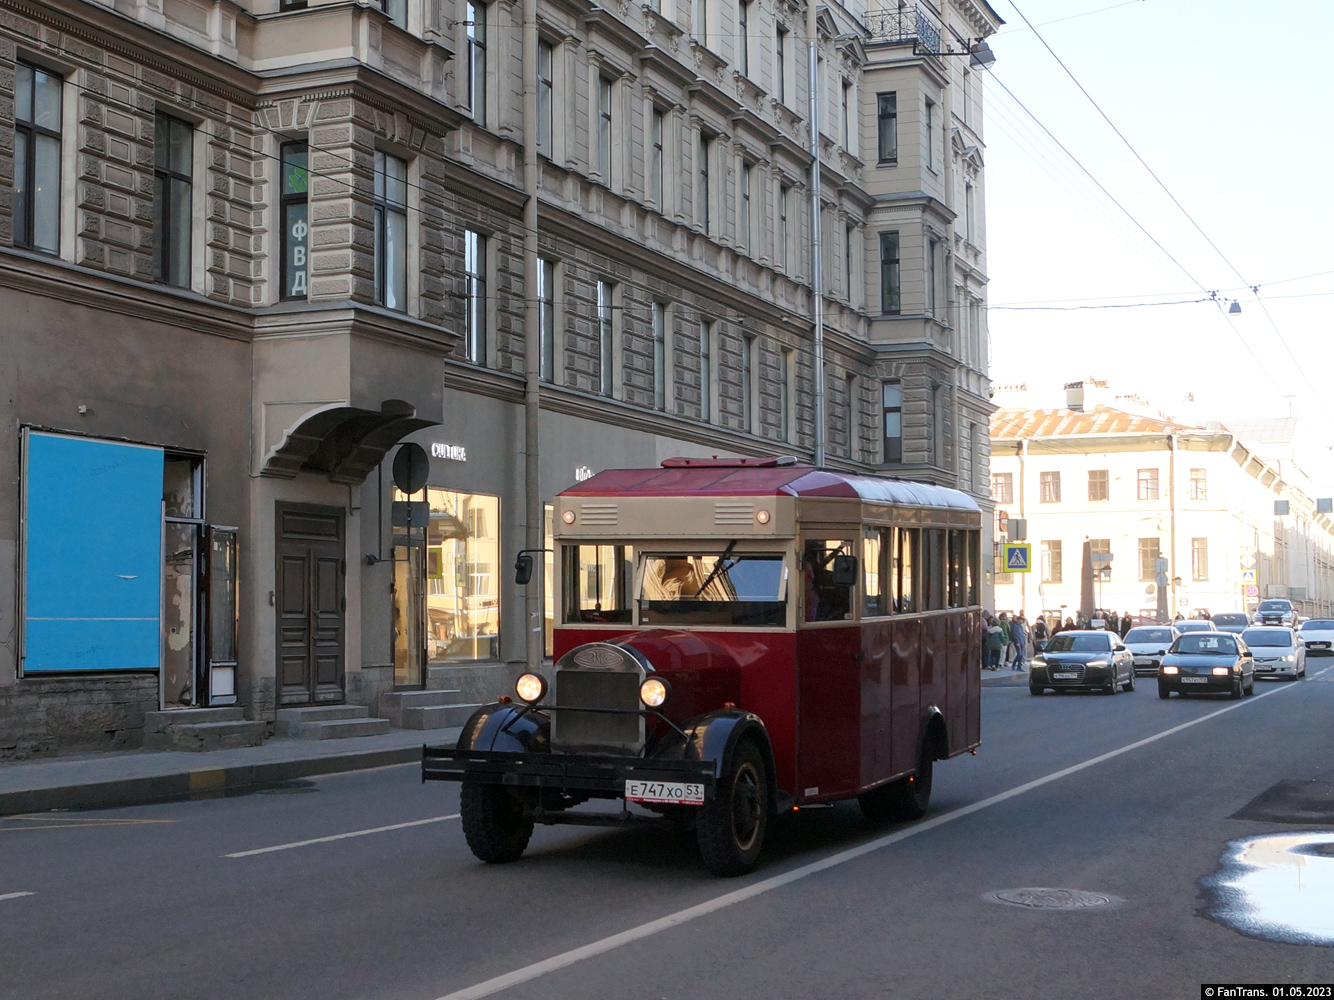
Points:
(146, 903)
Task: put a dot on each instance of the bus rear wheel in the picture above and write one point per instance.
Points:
(913, 794)
(730, 827)
(493, 822)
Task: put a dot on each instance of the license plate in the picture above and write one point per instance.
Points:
(1318, 645)
(1065, 675)
(1195, 680)
(679, 793)
(1143, 661)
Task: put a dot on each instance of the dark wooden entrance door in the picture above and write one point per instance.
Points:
(310, 604)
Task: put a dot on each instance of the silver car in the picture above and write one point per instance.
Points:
(1277, 651)
(1149, 644)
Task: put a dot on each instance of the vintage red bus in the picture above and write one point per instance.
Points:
(735, 638)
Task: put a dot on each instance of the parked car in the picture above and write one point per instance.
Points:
(1148, 644)
(1276, 611)
(1194, 625)
(1084, 660)
(1207, 662)
(1235, 622)
(1318, 635)
(1278, 652)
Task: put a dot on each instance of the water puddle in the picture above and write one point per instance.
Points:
(1278, 887)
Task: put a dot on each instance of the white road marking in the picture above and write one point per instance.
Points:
(16, 895)
(341, 836)
(565, 959)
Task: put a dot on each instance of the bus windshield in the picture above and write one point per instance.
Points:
(698, 589)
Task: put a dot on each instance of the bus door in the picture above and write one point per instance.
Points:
(828, 669)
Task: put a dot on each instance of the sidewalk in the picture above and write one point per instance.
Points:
(1004, 677)
(134, 777)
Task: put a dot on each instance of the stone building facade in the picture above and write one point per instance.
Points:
(256, 246)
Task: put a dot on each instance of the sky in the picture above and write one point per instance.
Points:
(1226, 103)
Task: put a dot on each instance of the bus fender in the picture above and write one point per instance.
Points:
(712, 737)
(506, 728)
(934, 735)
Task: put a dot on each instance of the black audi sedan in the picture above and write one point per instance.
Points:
(1083, 661)
(1207, 662)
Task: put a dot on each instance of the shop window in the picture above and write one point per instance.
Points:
(598, 580)
(463, 576)
(294, 207)
(182, 496)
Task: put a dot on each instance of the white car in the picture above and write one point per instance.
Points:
(1149, 643)
(1276, 650)
(1318, 635)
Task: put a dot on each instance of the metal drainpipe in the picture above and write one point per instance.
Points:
(532, 355)
(1172, 516)
(817, 237)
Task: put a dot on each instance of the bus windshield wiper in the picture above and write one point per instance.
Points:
(718, 567)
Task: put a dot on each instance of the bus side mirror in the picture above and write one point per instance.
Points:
(845, 571)
(523, 569)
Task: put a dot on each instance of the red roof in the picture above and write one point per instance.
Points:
(1018, 424)
(732, 478)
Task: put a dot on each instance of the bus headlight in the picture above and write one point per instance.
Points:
(654, 691)
(531, 688)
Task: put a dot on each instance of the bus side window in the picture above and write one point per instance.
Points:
(904, 570)
(597, 583)
(825, 601)
(873, 579)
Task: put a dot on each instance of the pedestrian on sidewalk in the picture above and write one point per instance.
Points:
(1019, 637)
(1039, 634)
(996, 641)
(1007, 654)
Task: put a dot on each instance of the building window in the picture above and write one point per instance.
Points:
(1199, 485)
(655, 162)
(476, 14)
(931, 249)
(705, 371)
(604, 129)
(1049, 487)
(397, 11)
(744, 227)
(1146, 484)
(849, 235)
(850, 412)
(1148, 560)
(37, 117)
(780, 64)
(606, 342)
(1002, 487)
(890, 297)
(887, 127)
(173, 178)
(743, 41)
(1051, 562)
(294, 207)
(784, 193)
(702, 192)
(785, 421)
(474, 271)
(391, 232)
(702, 21)
(893, 409)
(748, 383)
(847, 118)
(659, 356)
(546, 319)
(1099, 487)
(546, 61)
(1199, 559)
(1100, 552)
(930, 135)
(969, 219)
(463, 576)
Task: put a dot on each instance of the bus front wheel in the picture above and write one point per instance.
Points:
(730, 827)
(496, 829)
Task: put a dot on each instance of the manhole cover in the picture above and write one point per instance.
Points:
(1050, 899)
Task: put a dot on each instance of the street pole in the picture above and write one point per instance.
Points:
(534, 647)
(817, 240)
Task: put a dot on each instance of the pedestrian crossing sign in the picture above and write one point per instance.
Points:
(1018, 558)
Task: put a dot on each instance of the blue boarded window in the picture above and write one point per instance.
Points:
(92, 574)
